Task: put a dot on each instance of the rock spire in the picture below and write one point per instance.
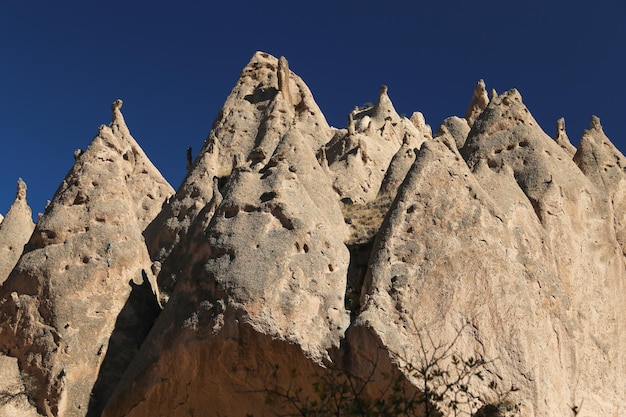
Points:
(560, 136)
(359, 155)
(15, 230)
(294, 252)
(479, 102)
(84, 268)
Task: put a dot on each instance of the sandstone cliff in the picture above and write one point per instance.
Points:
(293, 250)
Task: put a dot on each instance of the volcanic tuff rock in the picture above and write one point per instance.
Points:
(478, 103)
(599, 160)
(13, 397)
(263, 105)
(293, 248)
(60, 304)
(458, 128)
(516, 241)
(358, 156)
(278, 215)
(15, 230)
(560, 136)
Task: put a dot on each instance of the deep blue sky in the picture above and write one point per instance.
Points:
(173, 63)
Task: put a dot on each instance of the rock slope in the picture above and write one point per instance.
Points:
(294, 250)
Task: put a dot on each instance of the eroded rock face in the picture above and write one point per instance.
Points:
(15, 230)
(270, 265)
(458, 128)
(266, 102)
(60, 305)
(273, 268)
(605, 166)
(505, 238)
(359, 155)
(560, 136)
(13, 395)
(479, 102)
(405, 156)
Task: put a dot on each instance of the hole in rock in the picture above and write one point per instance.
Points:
(359, 260)
(268, 196)
(230, 212)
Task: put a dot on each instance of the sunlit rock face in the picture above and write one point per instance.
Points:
(293, 249)
(83, 271)
(15, 230)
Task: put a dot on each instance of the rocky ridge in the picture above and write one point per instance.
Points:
(295, 246)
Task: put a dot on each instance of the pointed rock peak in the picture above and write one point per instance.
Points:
(418, 120)
(494, 94)
(560, 126)
(599, 159)
(457, 128)
(283, 78)
(510, 96)
(504, 112)
(479, 102)
(15, 230)
(560, 137)
(267, 98)
(507, 134)
(595, 124)
(383, 98)
(118, 124)
(384, 107)
(21, 190)
(116, 105)
(97, 215)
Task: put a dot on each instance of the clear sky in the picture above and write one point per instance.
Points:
(63, 62)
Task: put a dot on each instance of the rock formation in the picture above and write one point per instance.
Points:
(479, 102)
(560, 136)
(359, 155)
(251, 123)
(294, 252)
(65, 307)
(15, 230)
